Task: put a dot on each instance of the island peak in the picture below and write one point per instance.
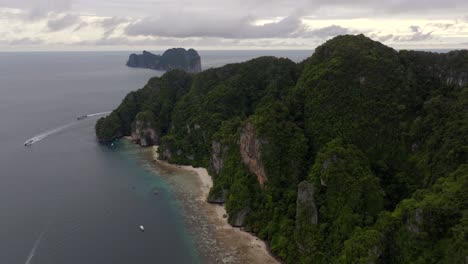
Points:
(175, 58)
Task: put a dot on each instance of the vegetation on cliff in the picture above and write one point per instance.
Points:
(356, 155)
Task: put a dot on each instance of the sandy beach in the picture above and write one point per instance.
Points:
(241, 247)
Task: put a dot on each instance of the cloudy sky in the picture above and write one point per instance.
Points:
(228, 24)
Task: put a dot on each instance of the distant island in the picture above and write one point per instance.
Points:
(176, 58)
(356, 155)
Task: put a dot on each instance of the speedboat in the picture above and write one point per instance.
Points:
(81, 117)
(29, 142)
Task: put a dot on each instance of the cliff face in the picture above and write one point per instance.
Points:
(357, 155)
(250, 150)
(217, 156)
(306, 212)
(144, 131)
(177, 58)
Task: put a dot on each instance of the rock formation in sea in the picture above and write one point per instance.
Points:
(176, 58)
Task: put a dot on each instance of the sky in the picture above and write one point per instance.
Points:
(63, 25)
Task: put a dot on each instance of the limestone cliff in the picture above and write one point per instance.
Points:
(250, 150)
(306, 212)
(177, 58)
(238, 219)
(217, 159)
(218, 152)
(144, 131)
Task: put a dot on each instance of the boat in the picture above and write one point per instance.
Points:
(81, 117)
(142, 228)
(29, 142)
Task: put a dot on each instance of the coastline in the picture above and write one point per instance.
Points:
(248, 246)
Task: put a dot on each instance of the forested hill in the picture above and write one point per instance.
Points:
(356, 155)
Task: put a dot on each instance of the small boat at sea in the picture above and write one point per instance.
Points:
(28, 143)
(81, 117)
(142, 228)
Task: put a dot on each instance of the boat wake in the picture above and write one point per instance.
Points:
(98, 114)
(36, 244)
(58, 129)
(46, 134)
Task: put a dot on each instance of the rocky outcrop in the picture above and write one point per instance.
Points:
(166, 153)
(177, 58)
(306, 210)
(217, 159)
(217, 197)
(238, 219)
(325, 165)
(144, 135)
(143, 130)
(414, 223)
(250, 150)
(108, 128)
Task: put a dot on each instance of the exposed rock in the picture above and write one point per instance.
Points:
(414, 223)
(325, 166)
(177, 58)
(306, 210)
(414, 147)
(143, 131)
(167, 154)
(217, 197)
(373, 254)
(250, 150)
(238, 219)
(306, 215)
(217, 153)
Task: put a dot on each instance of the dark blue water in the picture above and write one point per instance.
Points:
(67, 199)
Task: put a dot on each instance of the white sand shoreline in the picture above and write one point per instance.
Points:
(256, 247)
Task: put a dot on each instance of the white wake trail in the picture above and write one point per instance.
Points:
(58, 129)
(36, 244)
(98, 114)
(48, 133)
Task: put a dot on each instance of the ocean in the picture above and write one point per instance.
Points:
(68, 199)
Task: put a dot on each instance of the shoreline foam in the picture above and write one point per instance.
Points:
(246, 241)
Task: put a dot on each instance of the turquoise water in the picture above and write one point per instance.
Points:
(66, 198)
(148, 184)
